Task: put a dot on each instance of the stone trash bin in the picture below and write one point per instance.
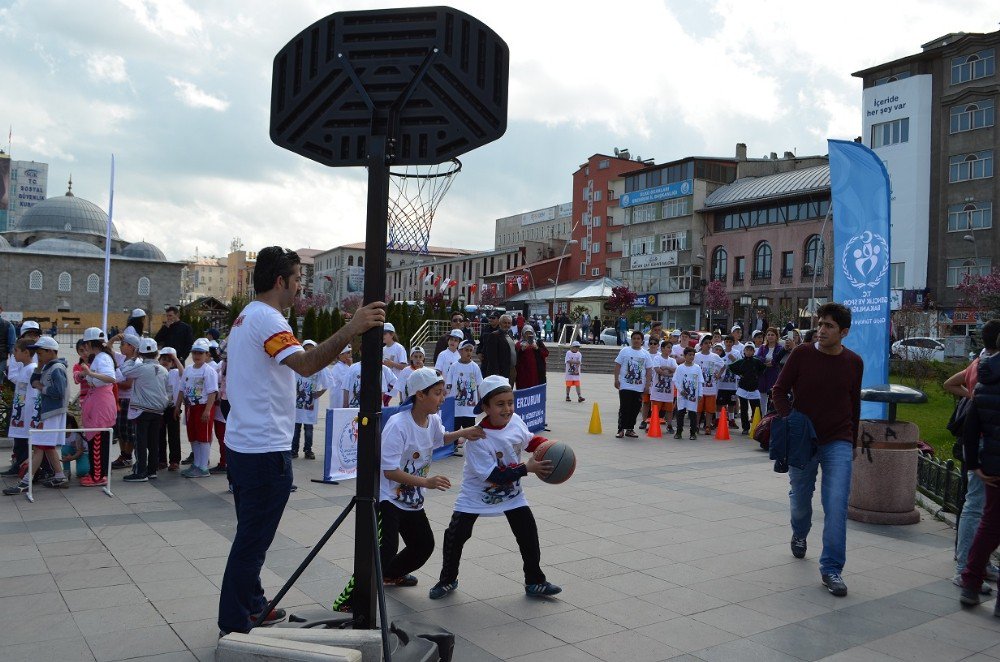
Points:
(884, 480)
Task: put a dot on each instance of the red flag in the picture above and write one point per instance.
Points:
(423, 272)
(473, 288)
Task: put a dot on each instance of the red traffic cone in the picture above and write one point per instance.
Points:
(722, 429)
(654, 422)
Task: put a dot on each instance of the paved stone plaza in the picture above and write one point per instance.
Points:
(665, 549)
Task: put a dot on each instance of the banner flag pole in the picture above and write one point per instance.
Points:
(107, 249)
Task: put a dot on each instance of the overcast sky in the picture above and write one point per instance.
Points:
(179, 91)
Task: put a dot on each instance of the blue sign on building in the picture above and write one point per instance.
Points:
(645, 301)
(657, 193)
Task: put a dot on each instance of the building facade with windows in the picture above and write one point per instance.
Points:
(594, 202)
(931, 117)
(479, 276)
(204, 277)
(53, 267)
(542, 232)
(340, 271)
(765, 241)
(662, 236)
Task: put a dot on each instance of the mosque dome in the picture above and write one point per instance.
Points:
(66, 213)
(63, 246)
(144, 251)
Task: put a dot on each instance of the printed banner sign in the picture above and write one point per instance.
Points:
(859, 185)
(341, 456)
(529, 403)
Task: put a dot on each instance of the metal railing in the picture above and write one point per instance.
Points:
(941, 482)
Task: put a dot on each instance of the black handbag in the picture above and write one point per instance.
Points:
(956, 424)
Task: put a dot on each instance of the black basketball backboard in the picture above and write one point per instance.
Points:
(335, 83)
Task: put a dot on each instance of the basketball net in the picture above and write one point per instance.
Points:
(414, 197)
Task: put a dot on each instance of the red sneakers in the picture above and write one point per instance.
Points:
(87, 481)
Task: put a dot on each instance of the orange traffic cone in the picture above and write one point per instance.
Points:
(654, 422)
(722, 429)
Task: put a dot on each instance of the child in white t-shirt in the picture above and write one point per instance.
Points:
(393, 356)
(712, 366)
(661, 391)
(491, 485)
(687, 378)
(574, 368)
(632, 372)
(450, 355)
(308, 391)
(20, 366)
(462, 381)
(408, 443)
(170, 433)
(351, 384)
(199, 390)
(416, 362)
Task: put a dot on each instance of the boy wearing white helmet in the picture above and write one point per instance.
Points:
(150, 397)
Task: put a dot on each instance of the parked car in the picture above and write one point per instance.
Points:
(918, 348)
(609, 337)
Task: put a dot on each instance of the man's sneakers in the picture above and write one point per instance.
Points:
(14, 470)
(196, 472)
(135, 478)
(407, 580)
(275, 616)
(798, 547)
(678, 434)
(543, 589)
(440, 590)
(188, 460)
(20, 488)
(985, 589)
(693, 436)
(218, 469)
(57, 482)
(309, 455)
(123, 462)
(835, 584)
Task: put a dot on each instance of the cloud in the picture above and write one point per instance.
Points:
(165, 17)
(42, 147)
(107, 67)
(195, 97)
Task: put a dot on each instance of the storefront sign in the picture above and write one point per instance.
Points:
(645, 301)
(654, 260)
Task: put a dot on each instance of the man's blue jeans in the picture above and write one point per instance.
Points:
(836, 459)
(261, 485)
(972, 513)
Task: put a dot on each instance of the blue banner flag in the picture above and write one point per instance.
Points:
(529, 403)
(859, 186)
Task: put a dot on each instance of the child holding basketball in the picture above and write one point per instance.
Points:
(661, 391)
(574, 367)
(491, 485)
(688, 380)
(408, 443)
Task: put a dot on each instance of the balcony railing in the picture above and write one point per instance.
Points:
(738, 278)
(760, 277)
(786, 276)
(807, 270)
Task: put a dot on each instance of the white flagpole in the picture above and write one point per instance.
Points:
(107, 248)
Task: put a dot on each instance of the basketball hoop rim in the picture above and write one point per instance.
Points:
(456, 168)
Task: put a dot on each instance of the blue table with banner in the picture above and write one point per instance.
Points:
(340, 461)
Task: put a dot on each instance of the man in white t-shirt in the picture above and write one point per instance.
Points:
(263, 359)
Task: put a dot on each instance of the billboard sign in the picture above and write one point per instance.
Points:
(654, 260)
(657, 193)
(355, 279)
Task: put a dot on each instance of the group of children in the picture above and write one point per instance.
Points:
(138, 391)
(491, 481)
(685, 383)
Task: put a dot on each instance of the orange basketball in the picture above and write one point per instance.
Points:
(561, 456)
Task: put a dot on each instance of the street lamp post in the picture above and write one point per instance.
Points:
(534, 292)
(746, 301)
(555, 290)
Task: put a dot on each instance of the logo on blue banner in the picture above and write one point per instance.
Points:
(859, 186)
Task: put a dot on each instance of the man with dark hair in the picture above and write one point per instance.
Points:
(263, 359)
(962, 384)
(981, 448)
(175, 333)
(824, 378)
(499, 355)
